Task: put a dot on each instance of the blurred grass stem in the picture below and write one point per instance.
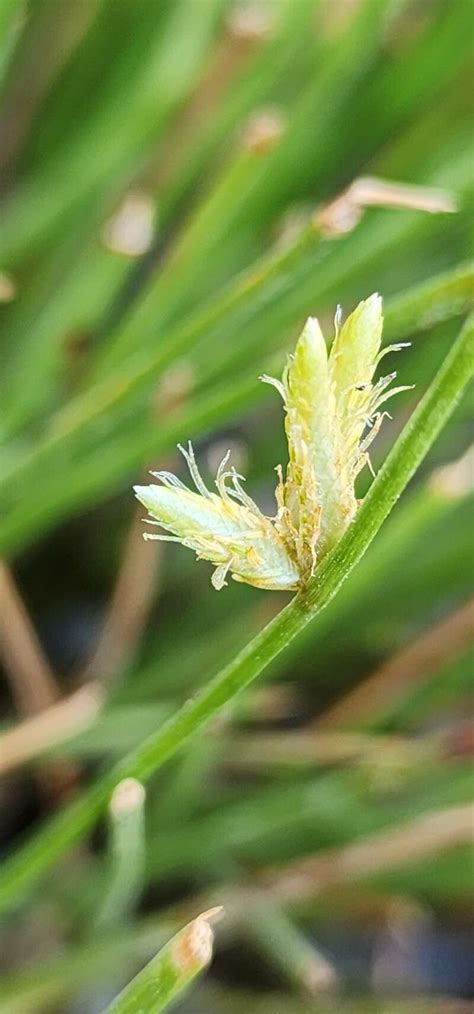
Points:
(413, 664)
(59, 723)
(286, 947)
(126, 849)
(405, 844)
(32, 680)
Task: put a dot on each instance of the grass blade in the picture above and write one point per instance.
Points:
(127, 853)
(171, 972)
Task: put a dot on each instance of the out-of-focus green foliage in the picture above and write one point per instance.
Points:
(163, 169)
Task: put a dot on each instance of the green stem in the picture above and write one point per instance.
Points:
(127, 854)
(25, 868)
(286, 948)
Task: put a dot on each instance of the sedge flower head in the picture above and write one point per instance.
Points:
(226, 527)
(332, 414)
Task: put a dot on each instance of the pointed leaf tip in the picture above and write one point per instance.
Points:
(312, 329)
(311, 340)
(371, 308)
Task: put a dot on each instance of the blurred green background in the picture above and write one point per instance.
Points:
(166, 170)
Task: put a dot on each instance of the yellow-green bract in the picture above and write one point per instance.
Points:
(332, 415)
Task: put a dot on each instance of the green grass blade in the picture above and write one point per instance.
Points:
(287, 949)
(161, 82)
(127, 853)
(11, 24)
(170, 973)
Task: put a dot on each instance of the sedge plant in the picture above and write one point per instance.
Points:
(182, 184)
(332, 410)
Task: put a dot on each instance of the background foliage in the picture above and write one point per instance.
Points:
(163, 169)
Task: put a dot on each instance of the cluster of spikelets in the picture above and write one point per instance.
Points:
(332, 408)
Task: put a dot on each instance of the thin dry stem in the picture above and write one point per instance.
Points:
(409, 667)
(343, 213)
(33, 683)
(126, 616)
(50, 728)
(310, 746)
(32, 680)
(129, 607)
(406, 844)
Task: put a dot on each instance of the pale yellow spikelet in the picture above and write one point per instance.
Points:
(352, 365)
(355, 355)
(311, 499)
(331, 417)
(226, 528)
